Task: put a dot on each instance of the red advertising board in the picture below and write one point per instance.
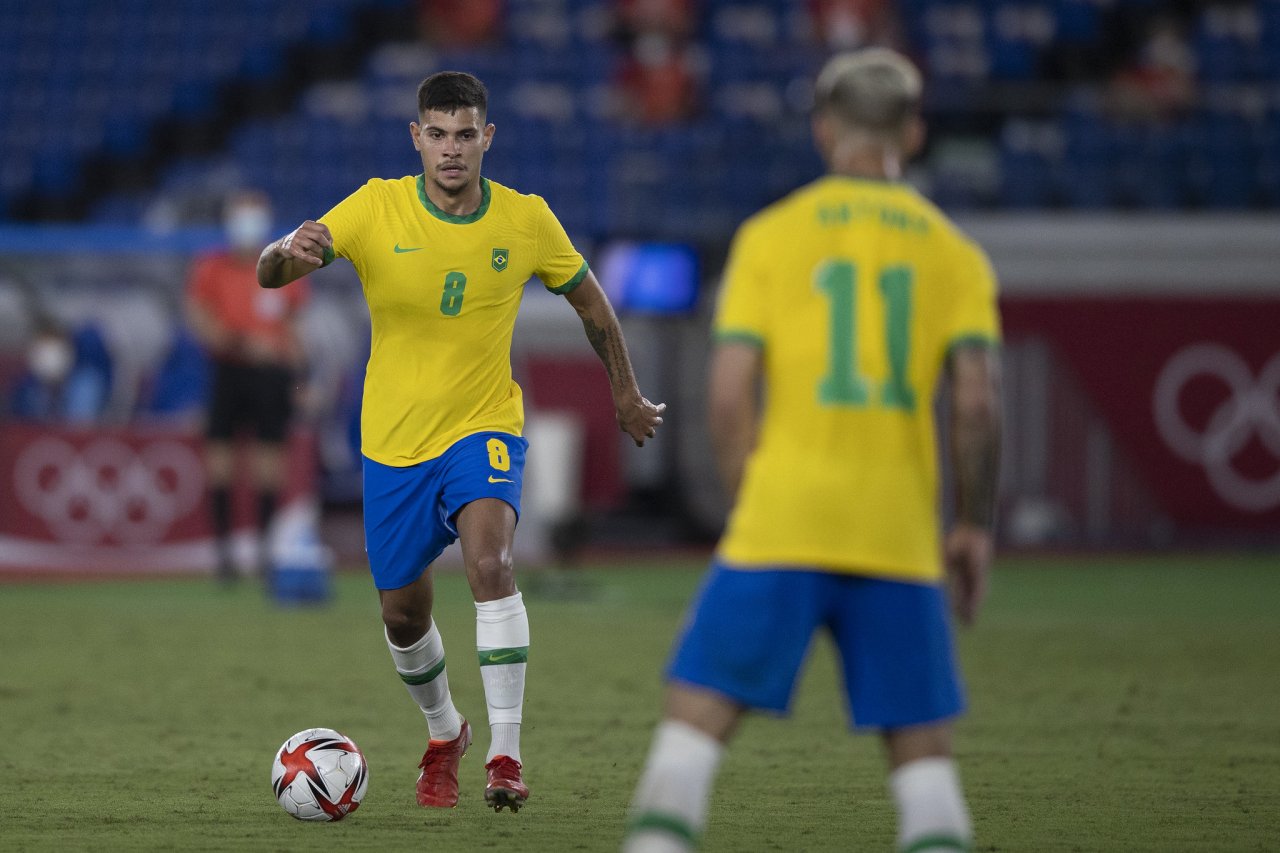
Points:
(112, 500)
(1190, 389)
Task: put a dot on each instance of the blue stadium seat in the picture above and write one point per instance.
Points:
(118, 209)
(56, 173)
(122, 73)
(1026, 179)
(1015, 35)
(1227, 155)
(1161, 170)
(329, 23)
(1083, 178)
(1078, 21)
(181, 383)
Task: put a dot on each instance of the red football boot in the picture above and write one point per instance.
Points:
(505, 787)
(438, 784)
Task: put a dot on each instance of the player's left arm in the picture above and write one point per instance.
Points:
(733, 407)
(975, 428)
(637, 417)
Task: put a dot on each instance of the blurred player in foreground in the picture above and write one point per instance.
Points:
(444, 258)
(850, 298)
(252, 339)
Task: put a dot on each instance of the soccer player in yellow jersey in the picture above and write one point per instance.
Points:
(848, 301)
(444, 258)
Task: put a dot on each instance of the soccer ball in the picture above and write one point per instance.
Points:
(320, 775)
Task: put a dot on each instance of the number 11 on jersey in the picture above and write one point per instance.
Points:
(843, 384)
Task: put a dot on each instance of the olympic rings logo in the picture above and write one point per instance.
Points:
(107, 489)
(1253, 408)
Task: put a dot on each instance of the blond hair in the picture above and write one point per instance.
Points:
(875, 90)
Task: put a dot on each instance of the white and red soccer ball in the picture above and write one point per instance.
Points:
(319, 775)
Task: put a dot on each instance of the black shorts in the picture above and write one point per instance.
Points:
(250, 397)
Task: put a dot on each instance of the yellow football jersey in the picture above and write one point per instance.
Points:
(855, 290)
(443, 292)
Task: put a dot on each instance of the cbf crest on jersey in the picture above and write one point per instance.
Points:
(499, 259)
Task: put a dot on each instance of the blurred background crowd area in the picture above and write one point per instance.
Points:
(1120, 159)
(667, 118)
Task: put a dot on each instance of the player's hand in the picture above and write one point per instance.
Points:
(640, 419)
(307, 243)
(968, 550)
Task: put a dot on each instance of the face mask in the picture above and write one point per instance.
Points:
(50, 359)
(247, 227)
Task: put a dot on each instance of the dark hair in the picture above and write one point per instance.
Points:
(446, 91)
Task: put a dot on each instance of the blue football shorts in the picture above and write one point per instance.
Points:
(410, 513)
(748, 631)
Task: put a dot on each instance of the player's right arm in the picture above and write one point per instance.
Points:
(297, 253)
(733, 408)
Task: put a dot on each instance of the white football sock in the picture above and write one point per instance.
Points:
(502, 642)
(421, 668)
(669, 810)
(931, 811)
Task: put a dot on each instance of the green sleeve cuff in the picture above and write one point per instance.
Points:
(328, 256)
(738, 336)
(569, 285)
(978, 341)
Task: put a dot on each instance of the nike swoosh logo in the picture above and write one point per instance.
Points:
(504, 656)
(493, 479)
(400, 251)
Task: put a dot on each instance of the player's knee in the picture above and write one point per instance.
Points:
(912, 743)
(492, 575)
(405, 624)
(492, 564)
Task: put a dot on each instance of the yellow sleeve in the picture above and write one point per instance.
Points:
(558, 264)
(741, 313)
(350, 223)
(975, 315)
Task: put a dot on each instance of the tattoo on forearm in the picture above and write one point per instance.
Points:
(977, 466)
(269, 264)
(607, 341)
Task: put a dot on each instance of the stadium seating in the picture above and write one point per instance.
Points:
(82, 78)
(1007, 133)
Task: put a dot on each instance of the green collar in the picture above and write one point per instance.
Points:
(480, 211)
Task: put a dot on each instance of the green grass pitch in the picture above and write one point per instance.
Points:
(1117, 704)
